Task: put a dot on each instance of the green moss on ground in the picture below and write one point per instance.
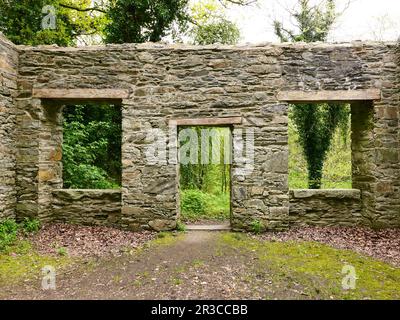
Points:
(164, 238)
(318, 268)
(21, 262)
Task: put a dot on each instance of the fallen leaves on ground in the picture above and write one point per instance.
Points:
(84, 241)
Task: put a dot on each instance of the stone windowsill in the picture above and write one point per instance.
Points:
(77, 194)
(325, 193)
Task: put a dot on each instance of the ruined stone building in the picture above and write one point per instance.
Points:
(239, 86)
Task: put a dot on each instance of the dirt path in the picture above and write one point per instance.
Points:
(195, 265)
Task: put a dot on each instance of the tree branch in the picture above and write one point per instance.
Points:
(238, 2)
(81, 9)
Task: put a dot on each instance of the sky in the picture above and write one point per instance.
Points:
(363, 20)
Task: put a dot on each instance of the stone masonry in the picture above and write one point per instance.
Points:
(157, 83)
(92, 207)
(325, 207)
(8, 91)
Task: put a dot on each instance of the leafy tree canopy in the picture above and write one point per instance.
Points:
(116, 21)
(210, 25)
(135, 21)
(21, 21)
(313, 22)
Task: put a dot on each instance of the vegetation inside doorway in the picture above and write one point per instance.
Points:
(92, 135)
(320, 146)
(205, 173)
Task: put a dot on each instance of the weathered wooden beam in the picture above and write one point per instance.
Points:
(206, 121)
(326, 96)
(82, 94)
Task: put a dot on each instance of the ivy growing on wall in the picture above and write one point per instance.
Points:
(315, 123)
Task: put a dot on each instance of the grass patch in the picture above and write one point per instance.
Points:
(163, 239)
(197, 205)
(176, 281)
(197, 263)
(9, 230)
(180, 226)
(22, 262)
(8, 234)
(62, 251)
(256, 226)
(318, 268)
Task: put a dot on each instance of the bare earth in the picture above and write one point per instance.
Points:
(192, 265)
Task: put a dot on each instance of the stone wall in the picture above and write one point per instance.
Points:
(325, 207)
(363, 151)
(87, 207)
(386, 124)
(167, 82)
(375, 124)
(8, 86)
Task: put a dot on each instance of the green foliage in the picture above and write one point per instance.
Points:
(313, 23)
(316, 124)
(211, 25)
(61, 251)
(9, 230)
(8, 233)
(180, 226)
(92, 147)
(30, 225)
(136, 21)
(223, 31)
(197, 205)
(218, 206)
(21, 21)
(26, 264)
(162, 234)
(193, 202)
(205, 188)
(336, 173)
(256, 226)
(212, 177)
(115, 21)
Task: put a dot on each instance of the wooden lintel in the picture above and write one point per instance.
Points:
(206, 121)
(81, 94)
(326, 96)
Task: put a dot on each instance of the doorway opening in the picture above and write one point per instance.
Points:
(204, 166)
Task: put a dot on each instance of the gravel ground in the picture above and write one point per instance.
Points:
(84, 241)
(380, 244)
